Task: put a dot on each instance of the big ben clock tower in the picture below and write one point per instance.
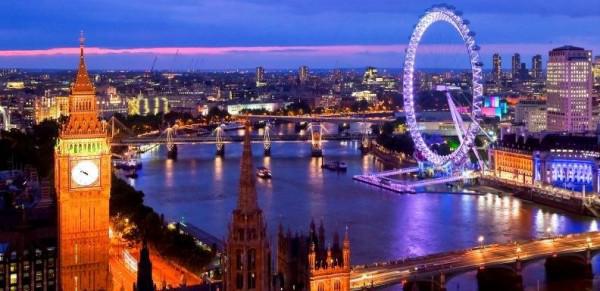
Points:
(82, 180)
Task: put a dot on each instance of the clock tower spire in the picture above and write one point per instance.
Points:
(82, 178)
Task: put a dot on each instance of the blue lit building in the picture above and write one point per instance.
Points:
(568, 169)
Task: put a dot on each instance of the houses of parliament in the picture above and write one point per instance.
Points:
(303, 261)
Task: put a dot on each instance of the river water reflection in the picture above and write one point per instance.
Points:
(202, 190)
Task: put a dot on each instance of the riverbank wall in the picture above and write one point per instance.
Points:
(566, 203)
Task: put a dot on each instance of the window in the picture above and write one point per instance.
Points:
(337, 286)
(13, 279)
(251, 259)
(239, 260)
(321, 287)
(251, 280)
(239, 280)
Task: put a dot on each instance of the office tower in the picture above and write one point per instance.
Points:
(497, 67)
(260, 77)
(516, 66)
(569, 87)
(536, 67)
(82, 180)
(303, 74)
(523, 72)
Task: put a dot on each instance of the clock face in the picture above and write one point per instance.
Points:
(84, 172)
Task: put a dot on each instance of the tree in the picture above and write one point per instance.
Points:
(359, 106)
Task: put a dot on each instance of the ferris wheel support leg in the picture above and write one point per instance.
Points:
(460, 127)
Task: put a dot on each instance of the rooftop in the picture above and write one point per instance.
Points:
(567, 48)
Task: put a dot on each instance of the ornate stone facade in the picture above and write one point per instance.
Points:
(307, 263)
(248, 262)
(82, 181)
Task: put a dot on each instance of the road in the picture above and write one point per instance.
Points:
(461, 261)
(123, 266)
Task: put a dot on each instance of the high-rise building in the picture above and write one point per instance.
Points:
(516, 66)
(260, 77)
(82, 170)
(523, 72)
(497, 67)
(248, 265)
(303, 74)
(536, 67)
(596, 70)
(569, 87)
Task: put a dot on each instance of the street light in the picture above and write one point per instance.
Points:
(589, 242)
(518, 252)
(480, 239)
(549, 232)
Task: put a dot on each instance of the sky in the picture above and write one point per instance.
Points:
(279, 34)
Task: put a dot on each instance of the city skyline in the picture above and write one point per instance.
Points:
(214, 36)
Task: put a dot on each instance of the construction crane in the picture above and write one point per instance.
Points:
(150, 72)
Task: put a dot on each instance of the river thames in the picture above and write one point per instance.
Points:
(202, 189)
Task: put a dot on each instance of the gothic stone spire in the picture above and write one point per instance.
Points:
(83, 84)
(247, 201)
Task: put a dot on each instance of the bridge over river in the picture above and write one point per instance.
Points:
(447, 264)
(188, 139)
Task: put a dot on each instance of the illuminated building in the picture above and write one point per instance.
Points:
(536, 67)
(365, 95)
(235, 109)
(303, 74)
(142, 105)
(524, 106)
(329, 101)
(33, 268)
(493, 106)
(516, 67)
(569, 169)
(513, 164)
(497, 67)
(16, 85)
(372, 77)
(28, 254)
(536, 120)
(596, 70)
(306, 263)
(260, 77)
(50, 108)
(111, 103)
(82, 169)
(248, 263)
(569, 89)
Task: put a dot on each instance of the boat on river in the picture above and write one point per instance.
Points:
(335, 166)
(263, 173)
(232, 126)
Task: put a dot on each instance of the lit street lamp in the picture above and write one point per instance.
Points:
(518, 252)
(549, 232)
(588, 240)
(480, 239)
